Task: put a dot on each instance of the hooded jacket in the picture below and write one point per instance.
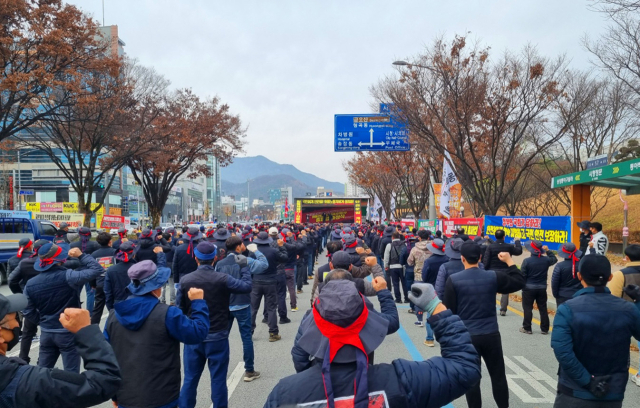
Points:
(32, 386)
(430, 383)
(144, 250)
(146, 336)
(600, 244)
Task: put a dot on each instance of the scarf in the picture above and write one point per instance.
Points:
(190, 247)
(83, 241)
(123, 256)
(535, 248)
(573, 259)
(339, 337)
(22, 248)
(52, 259)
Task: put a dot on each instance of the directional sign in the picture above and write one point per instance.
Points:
(27, 192)
(368, 132)
(613, 171)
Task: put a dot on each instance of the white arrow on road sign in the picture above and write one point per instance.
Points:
(370, 144)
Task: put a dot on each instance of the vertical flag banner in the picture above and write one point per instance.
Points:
(393, 208)
(286, 208)
(448, 179)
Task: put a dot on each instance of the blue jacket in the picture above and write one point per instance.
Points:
(183, 263)
(431, 267)
(591, 337)
(426, 384)
(234, 265)
(56, 289)
(133, 312)
(536, 270)
(447, 269)
(116, 281)
(388, 311)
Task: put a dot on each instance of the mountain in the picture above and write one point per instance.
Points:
(244, 168)
(261, 185)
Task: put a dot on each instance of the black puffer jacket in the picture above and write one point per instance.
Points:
(144, 250)
(183, 263)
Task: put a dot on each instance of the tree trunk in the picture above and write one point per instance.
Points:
(155, 214)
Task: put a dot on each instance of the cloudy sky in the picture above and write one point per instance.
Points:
(288, 66)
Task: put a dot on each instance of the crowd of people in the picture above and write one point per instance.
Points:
(162, 289)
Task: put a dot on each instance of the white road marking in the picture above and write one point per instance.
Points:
(234, 379)
(529, 378)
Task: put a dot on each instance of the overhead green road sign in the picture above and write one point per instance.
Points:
(624, 175)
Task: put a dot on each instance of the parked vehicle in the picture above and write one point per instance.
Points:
(166, 225)
(12, 230)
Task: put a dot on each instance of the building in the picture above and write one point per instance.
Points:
(323, 192)
(110, 34)
(351, 189)
(214, 188)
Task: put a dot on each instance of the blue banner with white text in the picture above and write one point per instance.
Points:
(551, 231)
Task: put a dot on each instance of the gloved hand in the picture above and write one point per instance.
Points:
(633, 291)
(599, 386)
(252, 247)
(241, 260)
(424, 296)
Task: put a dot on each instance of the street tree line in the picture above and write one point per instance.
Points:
(511, 121)
(93, 113)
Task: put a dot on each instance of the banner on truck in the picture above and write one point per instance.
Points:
(15, 214)
(472, 226)
(73, 220)
(551, 231)
(112, 222)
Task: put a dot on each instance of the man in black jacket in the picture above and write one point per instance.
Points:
(264, 285)
(24, 251)
(471, 295)
(218, 287)
(492, 261)
(146, 244)
(536, 270)
(184, 260)
(564, 280)
(116, 278)
(281, 278)
(32, 386)
(104, 256)
(585, 235)
(17, 281)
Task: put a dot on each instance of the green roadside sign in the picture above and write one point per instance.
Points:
(620, 175)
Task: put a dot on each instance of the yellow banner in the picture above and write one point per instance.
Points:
(34, 207)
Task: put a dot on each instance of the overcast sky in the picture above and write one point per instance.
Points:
(286, 67)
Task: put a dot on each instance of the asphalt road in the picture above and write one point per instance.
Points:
(530, 363)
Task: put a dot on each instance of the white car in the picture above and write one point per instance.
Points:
(166, 225)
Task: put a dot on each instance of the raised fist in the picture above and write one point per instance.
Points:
(195, 293)
(75, 319)
(75, 252)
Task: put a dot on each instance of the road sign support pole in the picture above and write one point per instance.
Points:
(580, 208)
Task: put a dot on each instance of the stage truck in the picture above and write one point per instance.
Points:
(347, 210)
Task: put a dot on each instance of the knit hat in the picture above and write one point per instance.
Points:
(205, 251)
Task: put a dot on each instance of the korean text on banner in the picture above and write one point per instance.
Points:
(429, 225)
(472, 226)
(14, 214)
(551, 231)
(72, 220)
(112, 221)
(448, 179)
(408, 222)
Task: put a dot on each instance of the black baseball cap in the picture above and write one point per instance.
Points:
(595, 269)
(470, 250)
(11, 304)
(341, 259)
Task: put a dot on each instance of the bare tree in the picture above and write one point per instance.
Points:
(493, 118)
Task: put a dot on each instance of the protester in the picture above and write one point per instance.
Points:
(585, 235)
(105, 257)
(536, 270)
(492, 261)
(117, 278)
(265, 285)
(146, 335)
(343, 333)
(394, 256)
(25, 249)
(240, 304)
(471, 294)
(627, 276)
(184, 260)
(145, 246)
(122, 237)
(217, 288)
(599, 244)
(453, 265)
(18, 279)
(591, 338)
(52, 291)
(61, 234)
(418, 255)
(301, 267)
(87, 247)
(170, 285)
(564, 280)
(289, 267)
(23, 385)
(281, 277)
(378, 287)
